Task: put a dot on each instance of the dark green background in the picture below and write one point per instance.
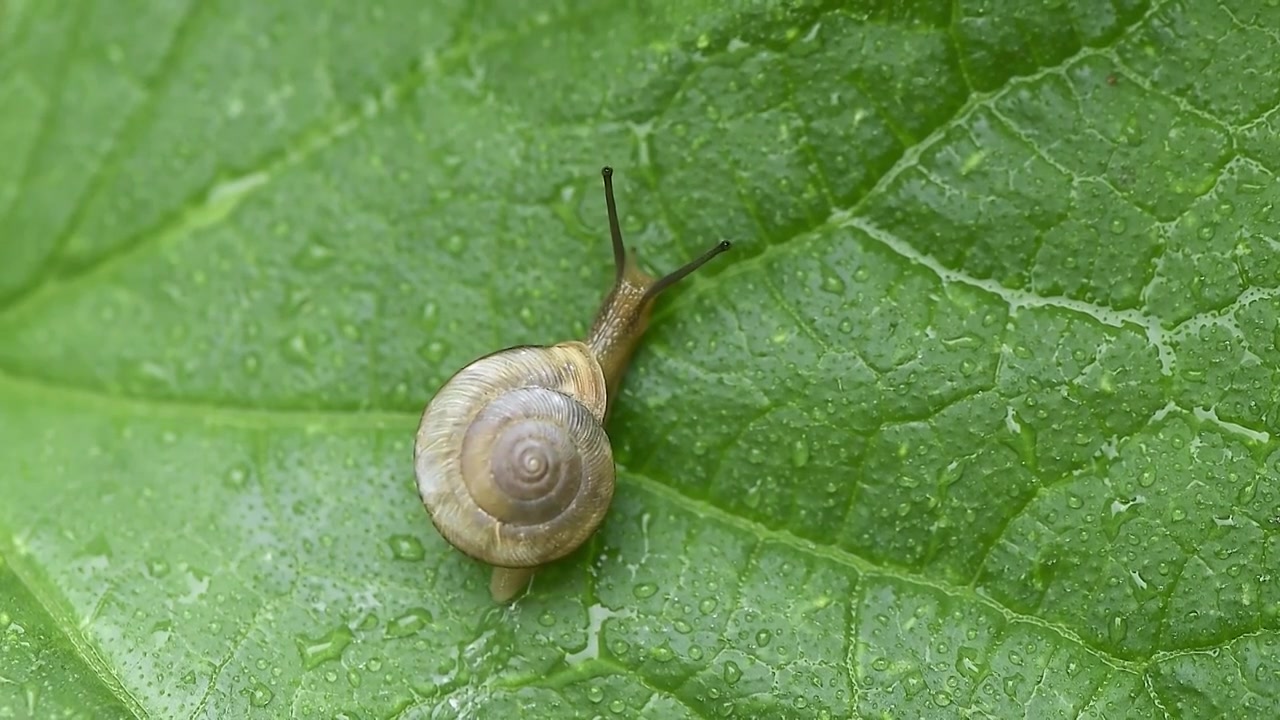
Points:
(977, 419)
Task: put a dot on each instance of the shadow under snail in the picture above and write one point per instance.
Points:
(512, 460)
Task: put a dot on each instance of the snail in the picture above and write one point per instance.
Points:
(511, 456)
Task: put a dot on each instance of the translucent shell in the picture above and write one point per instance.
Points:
(512, 460)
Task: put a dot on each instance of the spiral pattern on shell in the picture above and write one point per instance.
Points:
(512, 460)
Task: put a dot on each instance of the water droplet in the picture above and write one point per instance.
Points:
(595, 694)
(1011, 686)
(880, 664)
(314, 256)
(260, 695)
(645, 590)
(913, 684)
(407, 547)
(238, 476)
(695, 652)
(156, 567)
(800, 453)
(968, 664)
(732, 673)
(682, 627)
(662, 653)
(407, 624)
(296, 349)
(619, 648)
(1074, 501)
(1117, 629)
(846, 326)
(833, 283)
(617, 706)
(547, 619)
(323, 649)
(763, 637)
(942, 698)
(707, 606)
(1247, 493)
(1118, 225)
(353, 678)
(432, 351)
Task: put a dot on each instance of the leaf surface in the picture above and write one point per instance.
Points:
(977, 419)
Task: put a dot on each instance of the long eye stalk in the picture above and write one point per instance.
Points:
(615, 230)
(620, 250)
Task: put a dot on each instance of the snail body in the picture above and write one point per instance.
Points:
(511, 456)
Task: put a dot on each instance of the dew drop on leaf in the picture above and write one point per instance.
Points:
(800, 453)
(967, 663)
(432, 351)
(260, 695)
(644, 590)
(913, 684)
(707, 606)
(832, 283)
(595, 694)
(1117, 629)
(407, 547)
(328, 647)
(732, 673)
(407, 624)
(662, 653)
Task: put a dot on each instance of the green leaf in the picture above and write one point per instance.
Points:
(978, 419)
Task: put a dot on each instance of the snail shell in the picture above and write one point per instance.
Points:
(512, 459)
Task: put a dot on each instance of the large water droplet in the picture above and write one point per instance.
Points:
(913, 684)
(968, 664)
(1117, 629)
(407, 547)
(800, 453)
(663, 653)
(260, 695)
(832, 282)
(407, 624)
(328, 647)
(732, 673)
(644, 590)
